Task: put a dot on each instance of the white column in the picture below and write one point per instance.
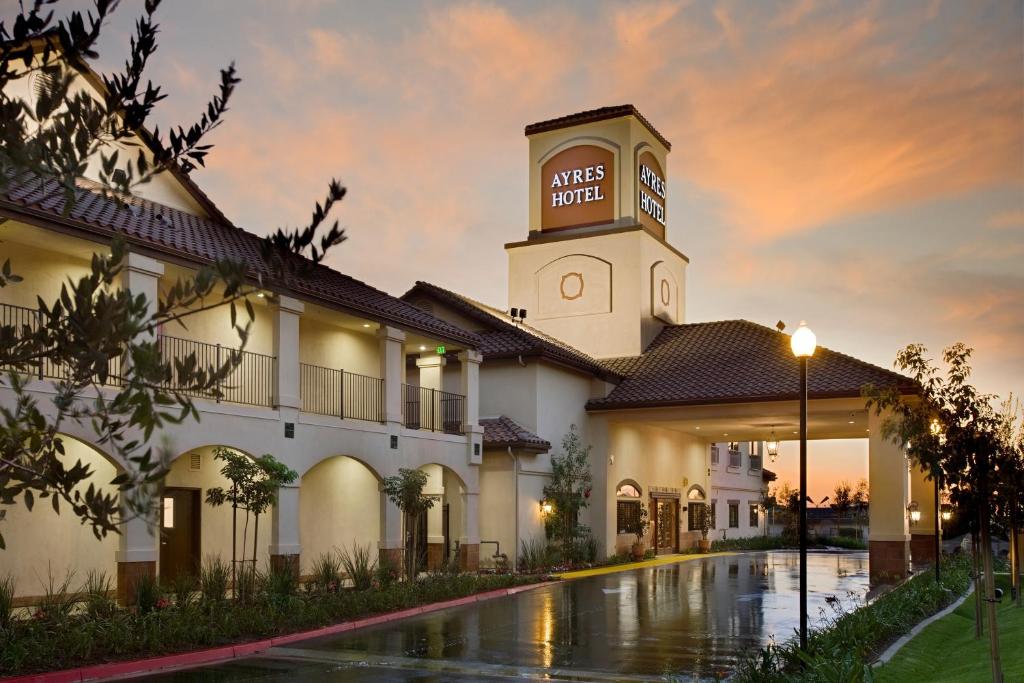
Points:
(141, 275)
(431, 368)
(471, 522)
(287, 393)
(888, 531)
(470, 386)
(392, 364)
(284, 527)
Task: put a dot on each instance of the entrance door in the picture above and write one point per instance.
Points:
(179, 537)
(666, 525)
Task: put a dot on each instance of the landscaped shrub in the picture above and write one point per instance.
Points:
(843, 648)
(74, 638)
(325, 574)
(785, 542)
(96, 591)
(147, 594)
(214, 577)
(6, 600)
(533, 555)
(359, 565)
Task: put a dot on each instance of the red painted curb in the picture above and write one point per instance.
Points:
(217, 654)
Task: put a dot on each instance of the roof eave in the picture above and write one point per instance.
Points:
(601, 405)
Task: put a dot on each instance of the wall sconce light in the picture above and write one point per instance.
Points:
(546, 508)
(772, 445)
(947, 512)
(914, 510)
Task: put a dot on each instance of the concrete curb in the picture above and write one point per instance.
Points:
(223, 653)
(891, 651)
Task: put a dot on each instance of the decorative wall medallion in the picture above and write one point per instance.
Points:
(666, 292)
(571, 286)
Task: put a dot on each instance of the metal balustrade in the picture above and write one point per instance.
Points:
(250, 383)
(326, 391)
(26, 321)
(433, 410)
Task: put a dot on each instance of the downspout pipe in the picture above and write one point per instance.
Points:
(515, 489)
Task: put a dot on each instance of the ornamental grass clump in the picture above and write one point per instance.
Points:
(359, 565)
(325, 576)
(214, 577)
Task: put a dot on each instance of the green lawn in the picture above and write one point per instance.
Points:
(947, 651)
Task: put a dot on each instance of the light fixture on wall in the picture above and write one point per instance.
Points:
(546, 507)
(772, 446)
(914, 511)
(947, 512)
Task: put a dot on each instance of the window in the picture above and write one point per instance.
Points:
(735, 457)
(714, 515)
(734, 515)
(714, 455)
(627, 513)
(627, 508)
(697, 512)
(755, 460)
(627, 490)
(168, 512)
(754, 516)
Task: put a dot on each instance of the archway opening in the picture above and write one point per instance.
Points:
(441, 530)
(339, 508)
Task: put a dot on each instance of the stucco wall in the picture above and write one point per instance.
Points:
(338, 348)
(651, 456)
(339, 507)
(215, 537)
(41, 543)
(740, 484)
(44, 271)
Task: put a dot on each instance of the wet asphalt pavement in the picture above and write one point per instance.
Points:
(694, 618)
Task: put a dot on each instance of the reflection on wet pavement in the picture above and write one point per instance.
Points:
(690, 618)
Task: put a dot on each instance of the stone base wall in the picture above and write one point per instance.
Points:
(889, 561)
(922, 549)
(394, 557)
(435, 555)
(469, 557)
(281, 562)
(128, 576)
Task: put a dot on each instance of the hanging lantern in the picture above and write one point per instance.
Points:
(772, 445)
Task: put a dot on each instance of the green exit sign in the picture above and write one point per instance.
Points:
(440, 350)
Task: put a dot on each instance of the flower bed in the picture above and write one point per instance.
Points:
(73, 637)
(844, 648)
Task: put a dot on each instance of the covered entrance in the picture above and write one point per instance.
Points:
(180, 512)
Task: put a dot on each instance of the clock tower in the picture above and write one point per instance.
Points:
(596, 269)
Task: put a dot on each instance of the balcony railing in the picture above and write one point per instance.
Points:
(433, 410)
(250, 383)
(27, 321)
(326, 391)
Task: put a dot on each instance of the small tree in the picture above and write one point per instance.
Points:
(842, 499)
(569, 490)
(951, 431)
(254, 486)
(405, 490)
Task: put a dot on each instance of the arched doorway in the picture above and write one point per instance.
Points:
(339, 508)
(191, 530)
(42, 544)
(440, 530)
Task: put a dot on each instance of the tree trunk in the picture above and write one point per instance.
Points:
(978, 628)
(990, 598)
(234, 542)
(1014, 556)
(986, 559)
(255, 539)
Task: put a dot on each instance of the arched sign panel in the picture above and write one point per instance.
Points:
(577, 186)
(651, 193)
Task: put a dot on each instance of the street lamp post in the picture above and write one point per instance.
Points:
(803, 343)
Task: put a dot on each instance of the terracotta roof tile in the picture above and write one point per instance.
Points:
(201, 240)
(503, 339)
(503, 432)
(600, 114)
(734, 361)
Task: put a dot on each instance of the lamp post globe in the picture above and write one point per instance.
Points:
(803, 342)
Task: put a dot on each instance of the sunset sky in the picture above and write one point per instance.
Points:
(857, 165)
